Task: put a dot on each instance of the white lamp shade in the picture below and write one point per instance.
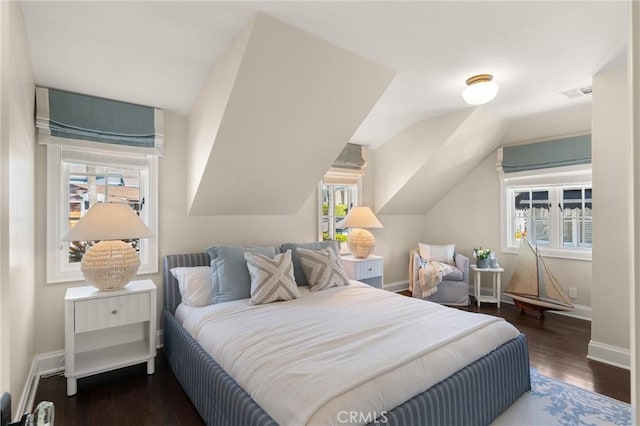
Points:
(480, 90)
(361, 217)
(108, 221)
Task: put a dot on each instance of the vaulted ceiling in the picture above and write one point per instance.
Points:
(160, 53)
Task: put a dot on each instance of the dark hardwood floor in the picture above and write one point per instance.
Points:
(122, 397)
(557, 348)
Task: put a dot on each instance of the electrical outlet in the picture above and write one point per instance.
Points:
(573, 292)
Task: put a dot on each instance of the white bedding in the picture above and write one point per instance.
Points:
(345, 349)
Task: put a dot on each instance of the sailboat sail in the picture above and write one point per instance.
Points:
(533, 283)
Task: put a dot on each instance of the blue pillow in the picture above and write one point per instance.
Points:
(298, 272)
(230, 276)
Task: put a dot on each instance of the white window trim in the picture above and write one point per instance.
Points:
(58, 267)
(544, 178)
(350, 176)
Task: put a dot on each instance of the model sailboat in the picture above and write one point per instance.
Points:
(533, 286)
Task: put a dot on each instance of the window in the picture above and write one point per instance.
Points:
(77, 179)
(552, 209)
(336, 201)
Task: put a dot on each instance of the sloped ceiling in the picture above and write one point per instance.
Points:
(420, 165)
(273, 115)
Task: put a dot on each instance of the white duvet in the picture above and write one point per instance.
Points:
(354, 349)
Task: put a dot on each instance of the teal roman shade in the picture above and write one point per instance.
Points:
(68, 118)
(350, 158)
(542, 155)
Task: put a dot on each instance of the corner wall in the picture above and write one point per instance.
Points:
(17, 284)
(612, 174)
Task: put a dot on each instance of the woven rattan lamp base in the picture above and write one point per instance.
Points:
(361, 243)
(110, 265)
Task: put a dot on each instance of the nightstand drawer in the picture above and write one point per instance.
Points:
(368, 269)
(105, 312)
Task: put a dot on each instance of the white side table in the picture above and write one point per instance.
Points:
(477, 283)
(105, 330)
(369, 270)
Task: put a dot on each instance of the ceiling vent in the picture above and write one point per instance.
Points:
(577, 93)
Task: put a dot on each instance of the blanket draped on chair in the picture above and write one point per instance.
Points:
(430, 274)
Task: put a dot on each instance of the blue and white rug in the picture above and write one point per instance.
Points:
(552, 402)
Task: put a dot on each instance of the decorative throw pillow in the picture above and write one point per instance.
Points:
(271, 279)
(444, 254)
(322, 268)
(298, 273)
(194, 284)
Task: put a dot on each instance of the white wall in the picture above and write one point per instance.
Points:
(4, 197)
(178, 232)
(549, 124)
(17, 287)
(634, 74)
(612, 173)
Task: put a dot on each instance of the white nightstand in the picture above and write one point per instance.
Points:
(477, 282)
(105, 330)
(369, 270)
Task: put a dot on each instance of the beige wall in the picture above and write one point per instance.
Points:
(634, 66)
(17, 283)
(612, 161)
(178, 232)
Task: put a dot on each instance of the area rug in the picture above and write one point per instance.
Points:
(552, 402)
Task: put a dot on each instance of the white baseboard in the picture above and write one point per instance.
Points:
(608, 354)
(49, 363)
(396, 286)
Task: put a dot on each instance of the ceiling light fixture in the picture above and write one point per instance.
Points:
(480, 89)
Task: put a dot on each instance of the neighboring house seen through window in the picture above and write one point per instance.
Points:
(551, 208)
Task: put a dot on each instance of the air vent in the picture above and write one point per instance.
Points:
(577, 93)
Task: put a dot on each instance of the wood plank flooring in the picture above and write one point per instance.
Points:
(557, 348)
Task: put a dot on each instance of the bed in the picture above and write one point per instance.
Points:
(474, 394)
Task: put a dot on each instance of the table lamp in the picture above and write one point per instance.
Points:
(111, 263)
(361, 242)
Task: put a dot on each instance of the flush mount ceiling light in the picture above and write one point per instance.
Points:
(480, 89)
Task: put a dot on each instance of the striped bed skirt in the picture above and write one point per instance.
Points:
(475, 395)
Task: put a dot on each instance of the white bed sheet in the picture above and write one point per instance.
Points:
(346, 349)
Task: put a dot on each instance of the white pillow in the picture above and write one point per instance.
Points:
(442, 254)
(195, 285)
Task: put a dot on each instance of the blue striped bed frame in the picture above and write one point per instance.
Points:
(475, 395)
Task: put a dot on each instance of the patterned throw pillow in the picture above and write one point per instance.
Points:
(271, 279)
(322, 268)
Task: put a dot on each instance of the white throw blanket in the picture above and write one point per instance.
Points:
(300, 357)
(431, 274)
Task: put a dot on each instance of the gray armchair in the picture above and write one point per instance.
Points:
(454, 288)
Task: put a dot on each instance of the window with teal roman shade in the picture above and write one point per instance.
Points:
(75, 119)
(568, 151)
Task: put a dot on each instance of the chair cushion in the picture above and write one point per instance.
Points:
(455, 275)
(454, 293)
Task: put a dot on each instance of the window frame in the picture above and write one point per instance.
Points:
(59, 269)
(337, 178)
(555, 180)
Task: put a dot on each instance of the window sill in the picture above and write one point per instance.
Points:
(584, 255)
